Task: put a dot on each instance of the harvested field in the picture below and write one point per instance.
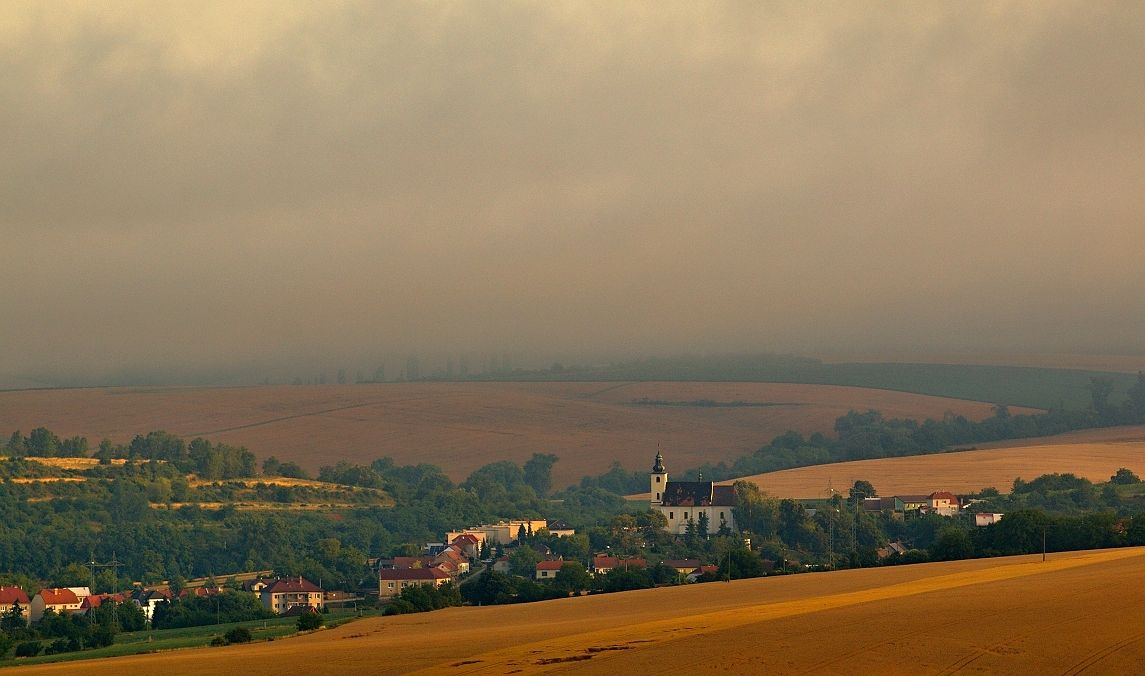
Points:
(959, 472)
(1009, 615)
(461, 426)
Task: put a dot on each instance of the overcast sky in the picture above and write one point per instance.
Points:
(191, 185)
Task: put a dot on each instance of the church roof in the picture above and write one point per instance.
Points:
(698, 494)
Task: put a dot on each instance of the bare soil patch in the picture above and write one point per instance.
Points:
(461, 426)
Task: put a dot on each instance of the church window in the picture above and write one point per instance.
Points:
(657, 479)
(657, 496)
(671, 515)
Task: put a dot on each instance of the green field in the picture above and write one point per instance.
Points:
(141, 642)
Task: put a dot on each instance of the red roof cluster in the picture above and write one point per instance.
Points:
(10, 595)
(291, 585)
(413, 574)
(59, 597)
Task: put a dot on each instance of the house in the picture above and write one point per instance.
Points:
(892, 549)
(682, 566)
(890, 503)
(392, 582)
(285, 593)
(501, 565)
(703, 570)
(503, 532)
(467, 544)
(147, 599)
(13, 596)
(10, 596)
(986, 518)
(561, 528)
(96, 600)
(944, 503)
(603, 565)
(912, 503)
(61, 600)
(547, 570)
(687, 502)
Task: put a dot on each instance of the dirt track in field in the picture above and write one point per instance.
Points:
(1010, 615)
(461, 426)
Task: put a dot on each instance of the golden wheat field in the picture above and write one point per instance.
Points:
(461, 426)
(1076, 612)
(960, 472)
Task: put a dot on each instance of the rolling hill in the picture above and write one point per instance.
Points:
(1077, 611)
(461, 426)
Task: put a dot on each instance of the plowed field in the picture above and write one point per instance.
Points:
(461, 426)
(1076, 612)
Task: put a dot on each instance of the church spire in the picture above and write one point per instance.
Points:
(658, 468)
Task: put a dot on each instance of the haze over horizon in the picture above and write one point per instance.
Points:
(215, 187)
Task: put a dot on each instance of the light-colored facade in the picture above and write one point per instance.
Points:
(392, 582)
(61, 600)
(686, 502)
(283, 594)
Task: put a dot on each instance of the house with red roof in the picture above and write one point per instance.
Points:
(603, 565)
(547, 570)
(10, 596)
(96, 600)
(391, 582)
(61, 600)
(285, 593)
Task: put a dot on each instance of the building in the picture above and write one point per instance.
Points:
(283, 594)
(147, 599)
(547, 570)
(391, 582)
(603, 565)
(684, 502)
(10, 596)
(987, 518)
(61, 600)
(682, 566)
(502, 532)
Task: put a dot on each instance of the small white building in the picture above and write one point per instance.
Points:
(986, 518)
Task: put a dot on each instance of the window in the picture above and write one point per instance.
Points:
(721, 516)
(657, 496)
(671, 515)
(685, 515)
(657, 478)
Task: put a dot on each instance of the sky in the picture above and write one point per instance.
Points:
(251, 187)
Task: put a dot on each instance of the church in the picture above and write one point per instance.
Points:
(683, 501)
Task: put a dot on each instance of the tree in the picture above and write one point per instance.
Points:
(16, 447)
(539, 472)
(1135, 403)
(1100, 390)
(755, 512)
(740, 563)
(239, 635)
(860, 491)
(489, 588)
(309, 621)
(1125, 476)
(702, 526)
(523, 561)
(953, 543)
(572, 577)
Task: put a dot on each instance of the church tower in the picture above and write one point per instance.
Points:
(658, 481)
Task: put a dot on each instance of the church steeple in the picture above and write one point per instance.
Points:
(657, 480)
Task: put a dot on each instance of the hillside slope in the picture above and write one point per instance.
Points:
(1013, 615)
(461, 426)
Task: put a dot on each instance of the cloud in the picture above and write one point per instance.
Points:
(212, 184)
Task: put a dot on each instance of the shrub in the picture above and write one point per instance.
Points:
(309, 621)
(28, 649)
(238, 635)
(219, 641)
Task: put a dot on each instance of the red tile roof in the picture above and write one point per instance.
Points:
(59, 597)
(95, 600)
(550, 565)
(291, 585)
(465, 537)
(10, 595)
(943, 495)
